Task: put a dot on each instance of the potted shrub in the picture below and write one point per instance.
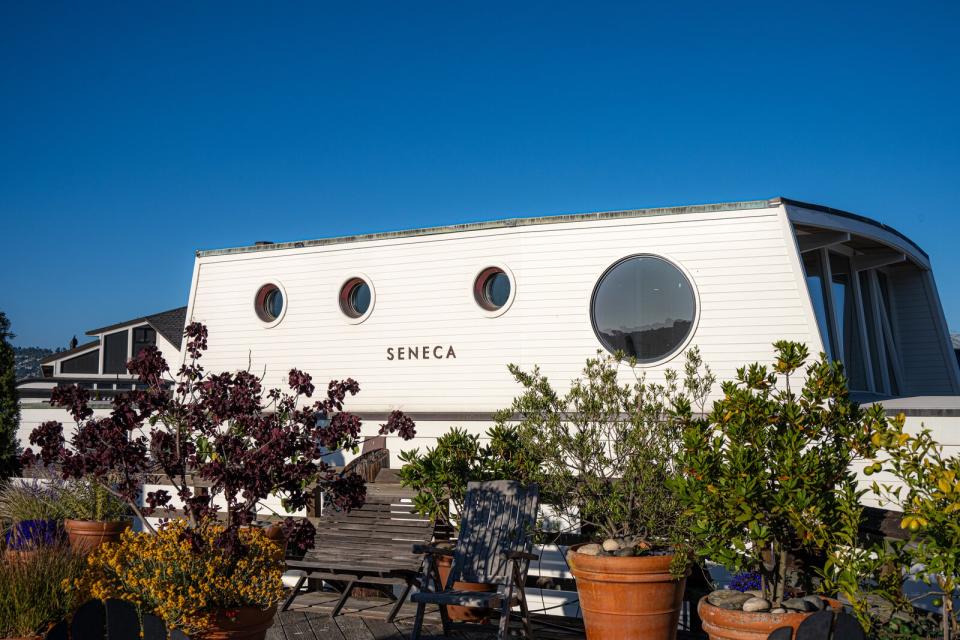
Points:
(93, 515)
(245, 442)
(606, 450)
(30, 513)
(768, 488)
(208, 587)
(32, 597)
(440, 477)
(923, 482)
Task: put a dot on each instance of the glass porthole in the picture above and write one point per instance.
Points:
(643, 306)
(492, 288)
(269, 303)
(355, 298)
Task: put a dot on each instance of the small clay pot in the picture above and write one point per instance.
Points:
(627, 598)
(245, 623)
(457, 613)
(86, 535)
(19, 556)
(727, 624)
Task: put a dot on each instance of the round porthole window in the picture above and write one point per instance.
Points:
(644, 306)
(269, 303)
(356, 298)
(493, 289)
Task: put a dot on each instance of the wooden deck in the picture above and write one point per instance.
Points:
(309, 619)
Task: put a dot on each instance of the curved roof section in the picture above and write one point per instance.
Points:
(575, 217)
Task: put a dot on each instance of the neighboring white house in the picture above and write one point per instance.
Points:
(99, 365)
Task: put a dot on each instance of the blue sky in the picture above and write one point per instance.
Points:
(132, 134)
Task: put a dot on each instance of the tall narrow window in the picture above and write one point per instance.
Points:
(143, 337)
(115, 352)
(845, 312)
(811, 265)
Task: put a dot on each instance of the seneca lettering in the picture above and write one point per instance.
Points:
(421, 352)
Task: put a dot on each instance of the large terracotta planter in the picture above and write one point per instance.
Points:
(246, 623)
(87, 535)
(627, 598)
(726, 624)
(464, 614)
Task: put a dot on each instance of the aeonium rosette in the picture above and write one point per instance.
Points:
(246, 443)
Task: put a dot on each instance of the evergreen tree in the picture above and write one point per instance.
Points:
(9, 407)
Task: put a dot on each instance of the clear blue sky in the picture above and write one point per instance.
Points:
(132, 134)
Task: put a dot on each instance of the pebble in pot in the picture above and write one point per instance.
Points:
(610, 545)
(800, 604)
(728, 599)
(756, 604)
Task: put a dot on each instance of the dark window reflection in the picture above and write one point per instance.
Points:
(811, 264)
(360, 298)
(274, 304)
(497, 289)
(643, 306)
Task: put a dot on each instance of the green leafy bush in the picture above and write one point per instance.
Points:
(33, 595)
(606, 448)
(440, 475)
(767, 472)
(90, 500)
(926, 487)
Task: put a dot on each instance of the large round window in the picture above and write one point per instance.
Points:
(269, 303)
(355, 297)
(643, 306)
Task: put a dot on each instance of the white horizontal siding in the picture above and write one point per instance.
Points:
(740, 263)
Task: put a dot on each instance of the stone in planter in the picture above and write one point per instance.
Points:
(728, 599)
(756, 604)
(800, 604)
(611, 545)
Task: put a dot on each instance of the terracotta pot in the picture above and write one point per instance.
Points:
(87, 535)
(627, 598)
(465, 614)
(728, 624)
(19, 556)
(245, 623)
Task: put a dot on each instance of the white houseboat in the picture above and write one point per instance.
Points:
(428, 319)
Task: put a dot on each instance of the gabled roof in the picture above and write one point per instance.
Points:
(59, 355)
(169, 324)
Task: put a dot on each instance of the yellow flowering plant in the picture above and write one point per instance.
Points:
(186, 579)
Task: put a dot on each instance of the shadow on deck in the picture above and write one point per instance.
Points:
(309, 619)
